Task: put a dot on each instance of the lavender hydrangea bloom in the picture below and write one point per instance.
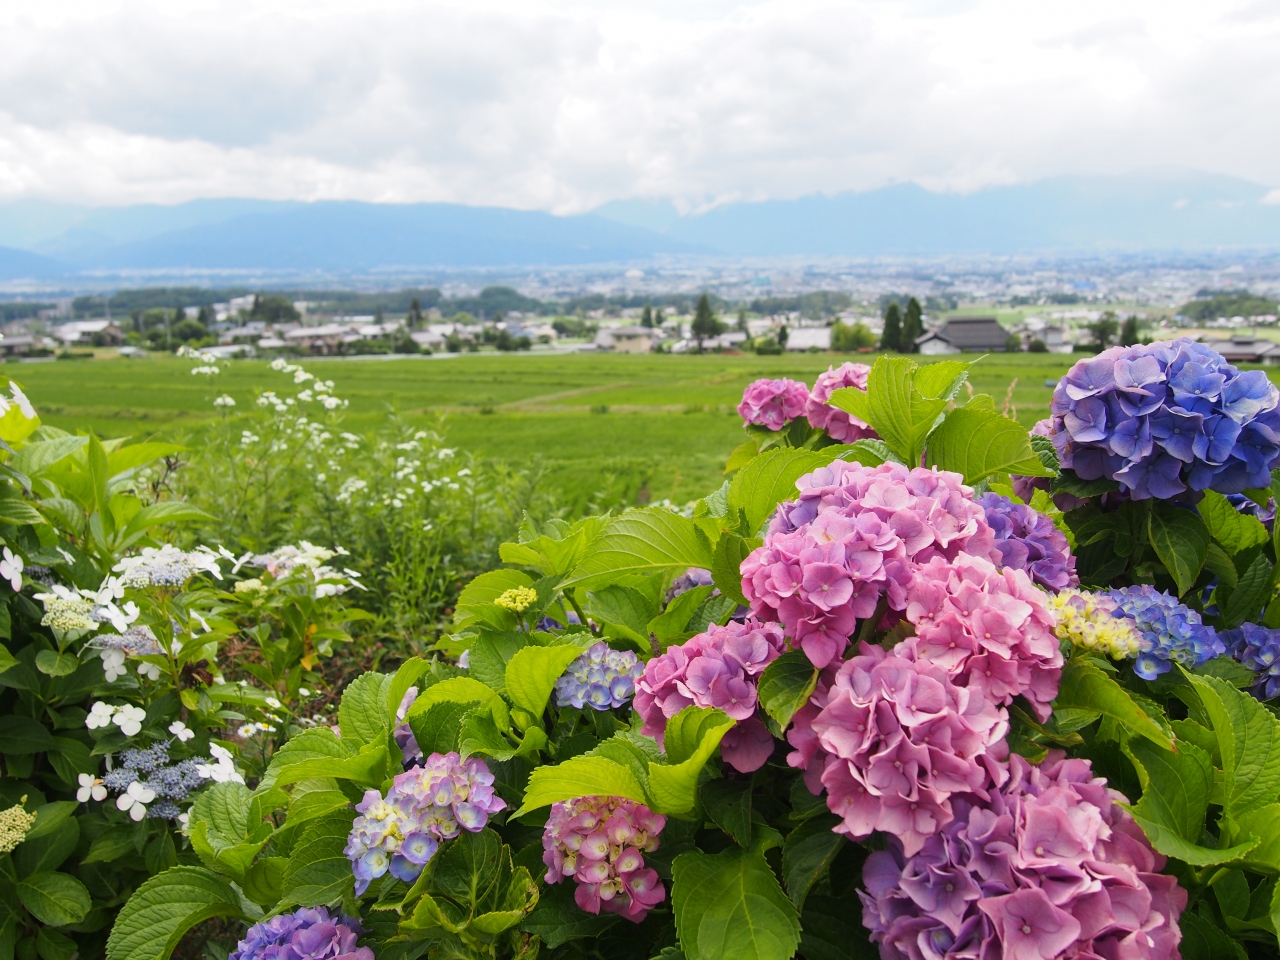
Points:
(424, 806)
(1164, 417)
(1027, 540)
(1052, 867)
(1258, 649)
(602, 679)
(1170, 631)
(307, 934)
(691, 578)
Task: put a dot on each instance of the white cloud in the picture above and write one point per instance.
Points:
(565, 105)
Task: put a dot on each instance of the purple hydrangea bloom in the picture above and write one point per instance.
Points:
(600, 842)
(1170, 631)
(307, 934)
(1164, 417)
(1266, 515)
(1258, 649)
(690, 579)
(773, 403)
(1028, 540)
(424, 806)
(602, 679)
(1050, 867)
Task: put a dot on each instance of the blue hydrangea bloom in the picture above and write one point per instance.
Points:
(1027, 540)
(1163, 417)
(602, 678)
(1258, 649)
(1170, 631)
(311, 933)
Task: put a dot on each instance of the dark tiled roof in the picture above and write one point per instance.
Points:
(973, 333)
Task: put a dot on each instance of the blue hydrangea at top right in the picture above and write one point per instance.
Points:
(1160, 418)
(1258, 649)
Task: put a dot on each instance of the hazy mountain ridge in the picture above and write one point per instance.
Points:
(1185, 211)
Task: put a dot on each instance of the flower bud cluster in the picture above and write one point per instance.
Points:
(1051, 866)
(852, 537)
(310, 933)
(150, 771)
(839, 425)
(67, 610)
(602, 678)
(517, 599)
(1258, 649)
(773, 403)
(719, 668)
(424, 806)
(166, 566)
(1028, 540)
(600, 842)
(1094, 621)
(14, 824)
(1170, 631)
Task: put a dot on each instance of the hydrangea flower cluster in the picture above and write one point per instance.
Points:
(719, 668)
(852, 537)
(311, 933)
(989, 629)
(1159, 418)
(282, 560)
(602, 679)
(517, 599)
(1258, 649)
(167, 566)
(1170, 631)
(150, 769)
(1051, 867)
(691, 578)
(600, 842)
(841, 426)
(1094, 621)
(67, 610)
(774, 403)
(894, 740)
(1028, 540)
(424, 806)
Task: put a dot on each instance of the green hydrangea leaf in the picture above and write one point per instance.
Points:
(1249, 743)
(642, 542)
(692, 736)
(807, 854)
(580, 777)
(166, 907)
(1181, 541)
(362, 714)
(786, 685)
(533, 672)
(318, 872)
(770, 479)
(1085, 687)
(1236, 531)
(982, 443)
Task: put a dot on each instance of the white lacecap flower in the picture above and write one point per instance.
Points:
(150, 671)
(91, 788)
(11, 569)
(135, 799)
(129, 719)
(181, 731)
(112, 666)
(100, 715)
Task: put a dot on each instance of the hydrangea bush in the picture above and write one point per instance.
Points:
(914, 681)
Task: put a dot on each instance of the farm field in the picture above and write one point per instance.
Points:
(608, 428)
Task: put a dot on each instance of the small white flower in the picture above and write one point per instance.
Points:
(100, 715)
(129, 720)
(91, 786)
(464, 472)
(274, 703)
(11, 569)
(224, 401)
(150, 671)
(134, 800)
(181, 731)
(113, 667)
(185, 820)
(304, 692)
(23, 403)
(247, 731)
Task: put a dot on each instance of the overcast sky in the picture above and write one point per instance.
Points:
(562, 106)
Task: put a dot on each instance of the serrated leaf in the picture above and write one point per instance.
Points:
(225, 808)
(367, 768)
(54, 664)
(1201, 940)
(786, 685)
(551, 556)
(469, 867)
(673, 623)
(580, 777)
(770, 479)
(728, 804)
(807, 854)
(452, 690)
(1181, 541)
(625, 608)
(319, 872)
(21, 736)
(869, 452)
(533, 672)
(726, 564)
(834, 932)
(1250, 594)
(1085, 687)
(642, 542)
(166, 907)
(437, 730)
(978, 444)
(557, 918)
(691, 737)
(406, 678)
(1236, 531)
(362, 713)
(318, 743)
(730, 907)
(1249, 742)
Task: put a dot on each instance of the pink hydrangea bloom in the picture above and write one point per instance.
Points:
(600, 842)
(990, 629)
(1051, 867)
(839, 425)
(893, 740)
(719, 668)
(773, 403)
(852, 537)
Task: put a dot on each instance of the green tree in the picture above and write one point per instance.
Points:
(846, 338)
(912, 326)
(891, 339)
(659, 318)
(415, 314)
(704, 322)
(274, 309)
(646, 316)
(742, 320)
(783, 336)
(1130, 331)
(1104, 330)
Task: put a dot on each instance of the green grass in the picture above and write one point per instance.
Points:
(669, 425)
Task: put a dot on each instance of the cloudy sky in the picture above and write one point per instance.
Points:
(562, 106)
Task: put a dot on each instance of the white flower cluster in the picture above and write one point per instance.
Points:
(223, 768)
(224, 401)
(128, 717)
(169, 566)
(19, 400)
(66, 610)
(191, 353)
(206, 371)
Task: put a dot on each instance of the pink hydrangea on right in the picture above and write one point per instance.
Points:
(841, 426)
(773, 403)
(600, 842)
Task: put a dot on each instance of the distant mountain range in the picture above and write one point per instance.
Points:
(1153, 211)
